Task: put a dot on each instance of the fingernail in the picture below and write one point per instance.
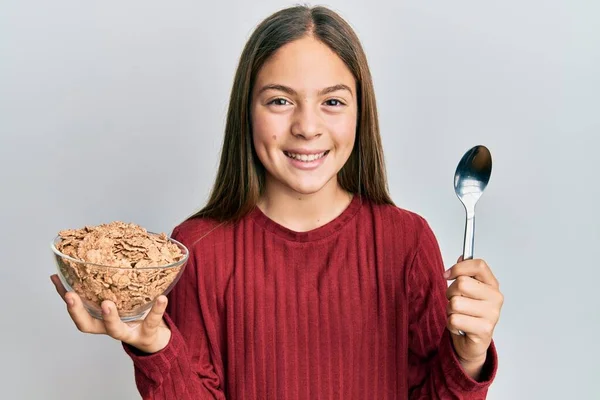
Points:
(105, 310)
(69, 301)
(447, 273)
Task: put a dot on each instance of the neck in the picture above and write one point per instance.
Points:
(303, 212)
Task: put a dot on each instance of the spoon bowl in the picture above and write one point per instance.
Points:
(470, 180)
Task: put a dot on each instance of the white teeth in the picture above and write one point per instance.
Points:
(305, 157)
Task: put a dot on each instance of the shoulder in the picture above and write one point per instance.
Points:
(399, 217)
(191, 231)
(399, 223)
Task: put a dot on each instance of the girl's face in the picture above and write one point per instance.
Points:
(304, 112)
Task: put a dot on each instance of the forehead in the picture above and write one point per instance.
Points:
(305, 64)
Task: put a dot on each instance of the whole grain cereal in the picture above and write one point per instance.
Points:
(121, 256)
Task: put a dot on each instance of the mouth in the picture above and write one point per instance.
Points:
(306, 157)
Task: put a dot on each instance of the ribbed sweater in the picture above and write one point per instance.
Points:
(354, 309)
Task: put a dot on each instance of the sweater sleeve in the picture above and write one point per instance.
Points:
(434, 369)
(184, 369)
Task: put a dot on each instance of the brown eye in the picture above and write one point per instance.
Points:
(278, 102)
(334, 103)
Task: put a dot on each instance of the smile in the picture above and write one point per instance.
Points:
(306, 157)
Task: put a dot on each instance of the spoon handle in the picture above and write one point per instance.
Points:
(469, 241)
(469, 237)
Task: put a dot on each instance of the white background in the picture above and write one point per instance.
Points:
(115, 110)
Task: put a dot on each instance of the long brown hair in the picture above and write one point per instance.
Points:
(241, 176)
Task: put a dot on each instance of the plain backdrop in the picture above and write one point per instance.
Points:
(115, 110)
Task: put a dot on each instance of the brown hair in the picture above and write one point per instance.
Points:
(240, 177)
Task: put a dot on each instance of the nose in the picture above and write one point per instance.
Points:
(307, 123)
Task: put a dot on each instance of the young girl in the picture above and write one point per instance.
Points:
(305, 281)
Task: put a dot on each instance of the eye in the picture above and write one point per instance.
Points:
(278, 102)
(334, 102)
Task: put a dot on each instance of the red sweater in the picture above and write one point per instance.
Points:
(355, 309)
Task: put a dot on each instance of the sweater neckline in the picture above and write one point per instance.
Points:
(320, 232)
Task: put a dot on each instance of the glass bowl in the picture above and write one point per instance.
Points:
(133, 290)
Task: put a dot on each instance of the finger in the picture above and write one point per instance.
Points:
(113, 325)
(478, 269)
(154, 319)
(469, 287)
(60, 289)
(81, 317)
(472, 326)
(473, 308)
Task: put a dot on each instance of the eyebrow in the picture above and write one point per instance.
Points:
(292, 92)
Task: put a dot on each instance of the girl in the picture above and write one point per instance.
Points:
(305, 281)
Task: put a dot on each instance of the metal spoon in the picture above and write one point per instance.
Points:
(470, 180)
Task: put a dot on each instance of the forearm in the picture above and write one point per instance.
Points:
(473, 368)
(435, 370)
(170, 373)
(445, 376)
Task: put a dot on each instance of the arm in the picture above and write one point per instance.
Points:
(435, 370)
(184, 369)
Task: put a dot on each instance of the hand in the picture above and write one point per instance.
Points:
(474, 307)
(149, 335)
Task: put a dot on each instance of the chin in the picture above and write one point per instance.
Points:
(308, 187)
(307, 191)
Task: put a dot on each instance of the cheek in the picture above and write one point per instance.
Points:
(265, 137)
(259, 129)
(344, 133)
(260, 133)
(266, 129)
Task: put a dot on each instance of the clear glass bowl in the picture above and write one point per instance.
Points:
(132, 289)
